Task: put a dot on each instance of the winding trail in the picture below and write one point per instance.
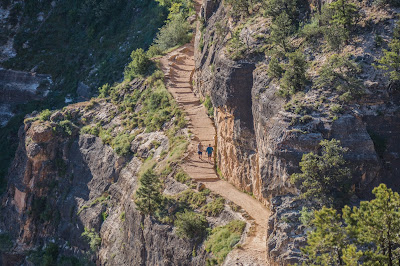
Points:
(178, 67)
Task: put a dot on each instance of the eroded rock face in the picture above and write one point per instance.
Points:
(261, 142)
(18, 87)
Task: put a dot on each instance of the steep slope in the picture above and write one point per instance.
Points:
(261, 136)
(178, 67)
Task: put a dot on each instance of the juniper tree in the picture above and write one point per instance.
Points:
(148, 197)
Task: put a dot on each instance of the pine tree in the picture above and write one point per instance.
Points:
(325, 179)
(148, 197)
(378, 222)
(328, 241)
(282, 27)
(391, 58)
(344, 14)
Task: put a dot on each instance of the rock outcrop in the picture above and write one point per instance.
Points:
(64, 182)
(261, 139)
(18, 87)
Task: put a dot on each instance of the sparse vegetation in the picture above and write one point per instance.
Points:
(93, 238)
(214, 208)
(190, 225)
(224, 238)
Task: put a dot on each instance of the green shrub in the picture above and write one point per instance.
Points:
(214, 208)
(223, 239)
(325, 179)
(236, 46)
(195, 199)
(275, 69)
(336, 108)
(190, 225)
(294, 78)
(174, 33)
(182, 177)
(67, 127)
(209, 106)
(45, 115)
(138, 66)
(312, 31)
(339, 73)
(93, 238)
(122, 144)
(104, 90)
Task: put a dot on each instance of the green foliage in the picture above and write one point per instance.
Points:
(190, 225)
(138, 66)
(282, 27)
(368, 235)
(275, 8)
(390, 61)
(50, 255)
(104, 90)
(45, 115)
(294, 78)
(194, 199)
(345, 13)
(377, 221)
(312, 31)
(93, 238)
(223, 239)
(209, 106)
(306, 216)
(339, 73)
(275, 69)
(325, 179)
(182, 177)
(236, 46)
(148, 197)
(5, 242)
(214, 208)
(67, 127)
(326, 243)
(122, 143)
(239, 7)
(174, 33)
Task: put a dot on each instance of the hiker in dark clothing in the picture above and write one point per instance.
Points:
(209, 151)
(200, 150)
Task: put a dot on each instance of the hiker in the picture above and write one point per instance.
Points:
(200, 150)
(209, 152)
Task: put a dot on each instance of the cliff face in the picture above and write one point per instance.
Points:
(64, 182)
(18, 87)
(261, 138)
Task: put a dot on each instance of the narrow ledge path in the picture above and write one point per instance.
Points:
(178, 67)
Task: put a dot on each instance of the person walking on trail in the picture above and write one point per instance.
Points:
(200, 150)
(209, 152)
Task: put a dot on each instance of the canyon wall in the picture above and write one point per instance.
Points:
(261, 140)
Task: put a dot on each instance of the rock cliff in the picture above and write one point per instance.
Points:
(67, 179)
(261, 136)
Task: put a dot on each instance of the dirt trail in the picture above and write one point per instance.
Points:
(178, 67)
